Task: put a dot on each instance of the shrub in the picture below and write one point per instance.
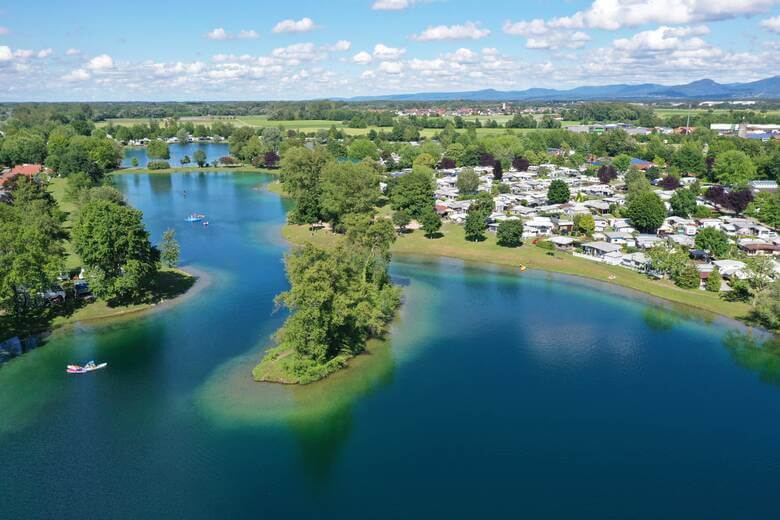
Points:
(713, 281)
(546, 245)
(158, 165)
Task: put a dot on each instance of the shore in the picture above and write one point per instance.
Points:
(454, 245)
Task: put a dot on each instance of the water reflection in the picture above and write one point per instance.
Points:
(755, 352)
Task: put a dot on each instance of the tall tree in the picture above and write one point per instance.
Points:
(114, 246)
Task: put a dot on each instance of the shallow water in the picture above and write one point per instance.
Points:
(495, 394)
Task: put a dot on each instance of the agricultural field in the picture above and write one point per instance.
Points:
(319, 124)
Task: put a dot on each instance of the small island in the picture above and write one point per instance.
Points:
(340, 297)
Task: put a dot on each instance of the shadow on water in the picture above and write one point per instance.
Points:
(758, 353)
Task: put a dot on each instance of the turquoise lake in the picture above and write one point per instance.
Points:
(496, 394)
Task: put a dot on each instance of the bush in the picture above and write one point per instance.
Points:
(546, 245)
(158, 165)
(740, 291)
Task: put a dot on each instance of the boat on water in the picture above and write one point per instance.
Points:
(89, 367)
(195, 217)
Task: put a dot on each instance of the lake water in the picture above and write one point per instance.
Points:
(214, 151)
(497, 394)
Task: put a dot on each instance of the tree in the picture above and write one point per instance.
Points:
(158, 149)
(430, 221)
(401, 219)
(686, 276)
(169, 249)
(734, 168)
(271, 159)
(361, 149)
(766, 208)
(199, 157)
(767, 307)
(713, 282)
(683, 203)
(475, 225)
(622, 162)
(468, 181)
(347, 188)
(134, 162)
(183, 136)
(424, 160)
(607, 174)
(669, 182)
(184, 160)
(119, 259)
(24, 146)
(558, 192)
(646, 212)
(584, 224)
(520, 164)
(689, 159)
(713, 240)
(337, 299)
(510, 233)
(413, 192)
(31, 245)
(760, 271)
(498, 171)
(636, 183)
(667, 258)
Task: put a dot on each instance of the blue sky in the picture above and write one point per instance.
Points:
(207, 50)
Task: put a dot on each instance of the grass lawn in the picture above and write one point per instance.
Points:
(453, 244)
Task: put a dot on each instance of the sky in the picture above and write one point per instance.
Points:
(78, 50)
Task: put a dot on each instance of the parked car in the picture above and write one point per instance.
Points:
(54, 296)
(81, 290)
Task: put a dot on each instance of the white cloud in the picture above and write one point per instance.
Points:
(6, 54)
(469, 30)
(23, 53)
(341, 46)
(76, 75)
(772, 24)
(383, 52)
(218, 34)
(463, 55)
(73, 52)
(102, 62)
(616, 14)
(45, 53)
(391, 5)
(295, 26)
(362, 58)
(391, 67)
(248, 34)
(664, 38)
(540, 35)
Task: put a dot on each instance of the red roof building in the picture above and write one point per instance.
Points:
(28, 170)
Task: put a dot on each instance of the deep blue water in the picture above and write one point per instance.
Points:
(497, 394)
(214, 151)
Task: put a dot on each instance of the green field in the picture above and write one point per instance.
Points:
(315, 124)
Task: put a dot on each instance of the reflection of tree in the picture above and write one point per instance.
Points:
(322, 419)
(161, 183)
(749, 352)
(660, 319)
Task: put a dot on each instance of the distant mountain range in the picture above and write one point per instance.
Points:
(768, 88)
